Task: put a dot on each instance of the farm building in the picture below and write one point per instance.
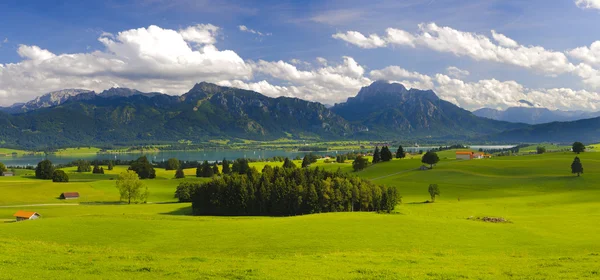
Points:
(26, 215)
(471, 155)
(69, 195)
(8, 174)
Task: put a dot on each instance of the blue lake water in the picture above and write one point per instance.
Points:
(209, 155)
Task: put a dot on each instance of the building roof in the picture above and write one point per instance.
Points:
(25, 214)
(70, 194)
(463, 153)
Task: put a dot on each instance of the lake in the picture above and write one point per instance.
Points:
(209, 155)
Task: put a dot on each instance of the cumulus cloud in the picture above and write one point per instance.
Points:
(200, 34)
(481, 48)
(490, 93)
(327, 84)
(357, 38)
(588, 4)
(244, 28)
(503, 40)
(590, 55)
(459, 43)
(456, 72)
(149, 59)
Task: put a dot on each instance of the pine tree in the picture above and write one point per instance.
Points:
(386, 154)
(199, 170)
(287, 163)
(400, 152)
(376, 155)
(305, 161)
(216, 169)
(110, 165)
(207, 170)
(226, 167)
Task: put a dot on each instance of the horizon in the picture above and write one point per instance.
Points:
(321, 51)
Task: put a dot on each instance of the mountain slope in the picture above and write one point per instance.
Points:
(47, 100)
(389, 108)
(531, 115)
(586, 130)
(207, 111)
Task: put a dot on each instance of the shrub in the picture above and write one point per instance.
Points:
(59, 176)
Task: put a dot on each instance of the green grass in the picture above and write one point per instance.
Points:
(552, 234)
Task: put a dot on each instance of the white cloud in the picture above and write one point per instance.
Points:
(329, 84)
(588, 4)
(322, 61)
(482, 48)
(200, 34)
(244, 28)
(456, 72)
(490, 93)
(356, 38)
(503, 40)
(149, 59)
(408, 78)
(459, 43)
(590, 55)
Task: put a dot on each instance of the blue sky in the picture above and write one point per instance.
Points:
(308, 49)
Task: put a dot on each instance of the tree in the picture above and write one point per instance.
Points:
(287, 163)
(305, 161)
(131, 187)
(578, 147)
(576, 167)
(226, 167)
(386, 154)
(110, 165)
(400, 152)
(430, 158)
(44, 170)
(360, 163)
(60, 176)
(179, 174)
(83, 166)
(434, 190)
(204, 170)
(240, 166)
(143, 168)
(540, 150)
(376, 155)
(2, 168)
(172, 164)
(215, 169)
(97, 169)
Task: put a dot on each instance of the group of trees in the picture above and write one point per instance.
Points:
(381, 156)
(308, 160)
(282, 191)
(143, 168)
(98, 169)
(45, 170)
(2, 169)
(207, 170)
(400, 153)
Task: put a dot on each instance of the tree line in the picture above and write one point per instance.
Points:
(285, 191)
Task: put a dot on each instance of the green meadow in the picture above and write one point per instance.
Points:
(552, 230)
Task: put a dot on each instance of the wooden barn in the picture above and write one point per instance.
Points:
(26, 215)
(8, 174)
(69, 195)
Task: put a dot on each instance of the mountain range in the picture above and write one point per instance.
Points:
(533, 115)
(381, 110)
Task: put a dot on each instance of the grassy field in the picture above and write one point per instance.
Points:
(554, 221)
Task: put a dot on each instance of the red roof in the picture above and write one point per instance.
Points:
(70, 194)
(464, 153)
(25, 214)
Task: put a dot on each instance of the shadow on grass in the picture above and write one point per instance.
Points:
(103, 203)
(185, 211)
(423, 202)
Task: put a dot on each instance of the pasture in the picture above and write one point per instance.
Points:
(554, 220)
